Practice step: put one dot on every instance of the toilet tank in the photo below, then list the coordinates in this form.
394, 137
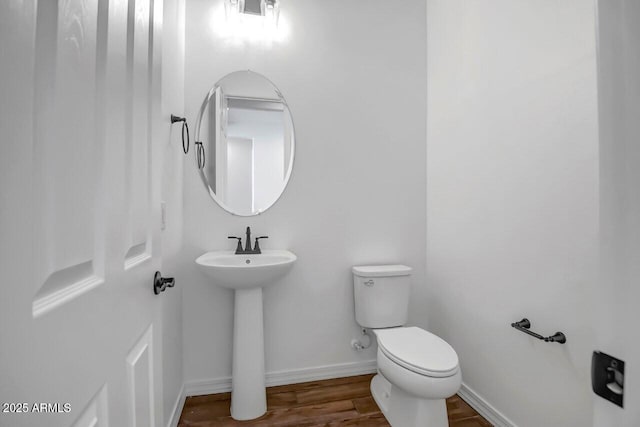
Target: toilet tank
381, 294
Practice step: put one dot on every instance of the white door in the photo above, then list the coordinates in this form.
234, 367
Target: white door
79, 220
616, 308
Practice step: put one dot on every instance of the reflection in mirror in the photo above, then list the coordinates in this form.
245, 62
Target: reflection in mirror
247, 134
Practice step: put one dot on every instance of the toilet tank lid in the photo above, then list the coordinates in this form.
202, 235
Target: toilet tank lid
381, 270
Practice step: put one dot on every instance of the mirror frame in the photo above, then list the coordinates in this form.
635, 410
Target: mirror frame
203, 176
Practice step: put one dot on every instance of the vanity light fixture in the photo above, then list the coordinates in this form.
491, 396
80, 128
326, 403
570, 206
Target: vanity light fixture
270, 9
231, 8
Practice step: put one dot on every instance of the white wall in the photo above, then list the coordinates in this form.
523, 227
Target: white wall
617, 315
512, 199
353, 75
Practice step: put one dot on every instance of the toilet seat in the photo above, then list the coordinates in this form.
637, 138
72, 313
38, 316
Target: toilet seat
419, 351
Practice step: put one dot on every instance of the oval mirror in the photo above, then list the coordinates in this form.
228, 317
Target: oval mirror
245, 143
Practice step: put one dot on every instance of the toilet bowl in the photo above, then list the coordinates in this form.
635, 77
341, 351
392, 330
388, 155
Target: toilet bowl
419, 362
417, 370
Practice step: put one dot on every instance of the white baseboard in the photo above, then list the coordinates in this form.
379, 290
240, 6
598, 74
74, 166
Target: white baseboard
177, 408
208, 386
321, 373
222, 385
483, 407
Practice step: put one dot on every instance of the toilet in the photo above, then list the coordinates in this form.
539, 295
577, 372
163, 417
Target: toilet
417, 370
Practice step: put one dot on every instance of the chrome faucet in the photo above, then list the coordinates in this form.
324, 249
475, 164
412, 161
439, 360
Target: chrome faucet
247, 247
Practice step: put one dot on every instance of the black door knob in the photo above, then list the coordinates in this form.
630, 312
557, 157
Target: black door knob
161, 283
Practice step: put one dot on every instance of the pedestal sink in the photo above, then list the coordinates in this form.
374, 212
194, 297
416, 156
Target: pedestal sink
247, 275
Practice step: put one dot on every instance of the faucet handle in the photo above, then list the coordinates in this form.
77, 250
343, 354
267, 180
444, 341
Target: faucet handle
256, 247
239, 247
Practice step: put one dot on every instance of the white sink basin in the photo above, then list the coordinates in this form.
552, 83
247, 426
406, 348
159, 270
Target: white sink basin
233, 271
247, 275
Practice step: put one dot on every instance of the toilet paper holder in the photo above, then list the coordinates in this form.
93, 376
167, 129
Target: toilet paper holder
525, 324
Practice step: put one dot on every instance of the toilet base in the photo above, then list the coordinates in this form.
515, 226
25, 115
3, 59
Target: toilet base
402, 409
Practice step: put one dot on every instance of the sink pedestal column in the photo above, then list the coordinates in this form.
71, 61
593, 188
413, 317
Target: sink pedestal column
248, 390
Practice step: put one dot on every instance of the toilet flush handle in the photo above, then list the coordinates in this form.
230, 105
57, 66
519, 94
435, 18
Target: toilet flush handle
369, 282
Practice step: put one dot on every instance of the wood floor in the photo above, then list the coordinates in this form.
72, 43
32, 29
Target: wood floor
330, 403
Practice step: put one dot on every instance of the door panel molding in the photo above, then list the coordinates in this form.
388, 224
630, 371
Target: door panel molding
140, 376
65, 285
140, 26
69, 233
96, 412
